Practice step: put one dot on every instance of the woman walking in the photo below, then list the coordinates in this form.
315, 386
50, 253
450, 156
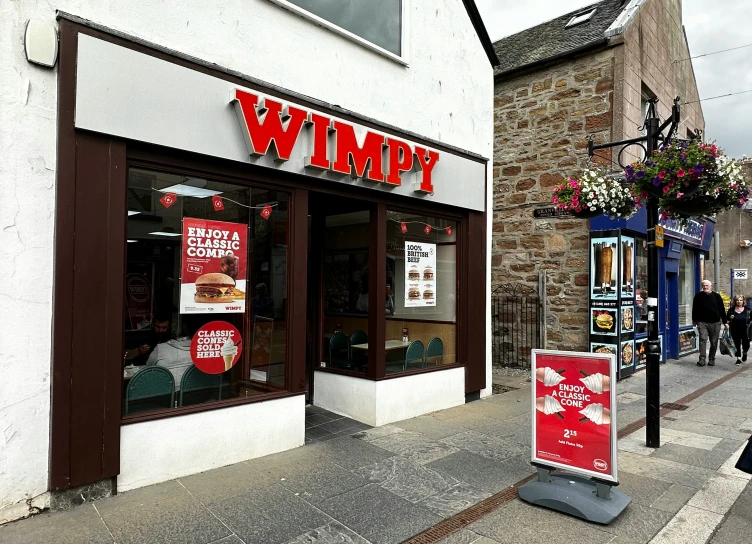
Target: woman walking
738, 318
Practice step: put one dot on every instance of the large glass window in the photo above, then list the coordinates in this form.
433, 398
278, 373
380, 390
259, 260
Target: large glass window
421, 292
641, 285
687, 287
376, 21
345, 287
206, 281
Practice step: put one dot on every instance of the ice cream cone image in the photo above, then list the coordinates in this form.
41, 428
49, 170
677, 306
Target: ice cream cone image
228, 361
549, 405
597, 383
228, 352
597, 414
548, 376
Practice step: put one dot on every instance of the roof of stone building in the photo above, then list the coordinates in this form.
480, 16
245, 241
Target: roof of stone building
553, 39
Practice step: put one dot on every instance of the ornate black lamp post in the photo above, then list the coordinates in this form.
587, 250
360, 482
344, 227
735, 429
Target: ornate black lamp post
649, 143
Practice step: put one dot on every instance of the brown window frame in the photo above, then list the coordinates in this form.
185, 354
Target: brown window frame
377, 306
249, 181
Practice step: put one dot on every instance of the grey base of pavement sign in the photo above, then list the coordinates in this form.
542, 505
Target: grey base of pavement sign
575, 495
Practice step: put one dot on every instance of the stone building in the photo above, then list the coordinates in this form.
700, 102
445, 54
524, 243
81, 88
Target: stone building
734, 227
589, 73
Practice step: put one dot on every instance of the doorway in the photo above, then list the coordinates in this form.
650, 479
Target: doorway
671, 334
338, 284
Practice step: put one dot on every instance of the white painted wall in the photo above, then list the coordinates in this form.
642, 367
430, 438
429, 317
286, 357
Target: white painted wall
446, 93
156, 451
386, 401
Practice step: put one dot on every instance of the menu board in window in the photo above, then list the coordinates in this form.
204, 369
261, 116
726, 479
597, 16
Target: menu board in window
420, 274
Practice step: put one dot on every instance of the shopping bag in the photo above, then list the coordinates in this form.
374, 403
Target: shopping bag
727, 345
745, 459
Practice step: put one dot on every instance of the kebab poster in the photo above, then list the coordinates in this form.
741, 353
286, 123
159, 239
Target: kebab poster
214, 271
572, 422
603, 269
420, 276
627, 267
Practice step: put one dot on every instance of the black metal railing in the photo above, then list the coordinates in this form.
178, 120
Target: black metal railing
516, 324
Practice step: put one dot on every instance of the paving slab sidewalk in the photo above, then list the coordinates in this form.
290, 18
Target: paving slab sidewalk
350, 483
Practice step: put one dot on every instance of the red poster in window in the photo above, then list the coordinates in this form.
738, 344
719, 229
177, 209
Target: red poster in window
214, 271
215, 347
574, 427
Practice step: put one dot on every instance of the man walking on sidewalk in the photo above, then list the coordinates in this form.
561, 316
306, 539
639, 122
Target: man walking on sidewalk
707, 313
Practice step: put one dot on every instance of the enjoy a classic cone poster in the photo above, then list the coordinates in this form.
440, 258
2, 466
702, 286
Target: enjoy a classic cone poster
574, 411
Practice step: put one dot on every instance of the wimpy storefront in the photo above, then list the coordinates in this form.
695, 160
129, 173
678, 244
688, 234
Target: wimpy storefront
227, 251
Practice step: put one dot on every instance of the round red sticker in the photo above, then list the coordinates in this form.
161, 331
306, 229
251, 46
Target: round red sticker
215, 347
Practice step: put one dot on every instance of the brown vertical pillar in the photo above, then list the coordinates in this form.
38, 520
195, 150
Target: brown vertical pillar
87, 351
474, 305
377, 292
296, 292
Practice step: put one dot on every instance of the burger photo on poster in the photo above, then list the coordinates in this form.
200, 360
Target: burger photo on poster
413, 273
413, 293
214, 288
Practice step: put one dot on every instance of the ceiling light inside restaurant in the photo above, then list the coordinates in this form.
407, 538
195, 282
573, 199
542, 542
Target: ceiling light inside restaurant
131, 212
132, 241
164, 233
191, 187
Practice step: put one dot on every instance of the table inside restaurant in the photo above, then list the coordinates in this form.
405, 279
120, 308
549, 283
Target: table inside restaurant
388, 345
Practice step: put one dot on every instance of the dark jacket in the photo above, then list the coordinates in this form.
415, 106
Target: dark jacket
743, 319
708, 308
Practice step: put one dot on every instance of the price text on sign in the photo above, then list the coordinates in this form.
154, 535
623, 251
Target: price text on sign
573, 421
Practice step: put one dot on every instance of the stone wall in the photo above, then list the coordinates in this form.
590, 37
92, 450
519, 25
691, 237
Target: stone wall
542, 121
645, 65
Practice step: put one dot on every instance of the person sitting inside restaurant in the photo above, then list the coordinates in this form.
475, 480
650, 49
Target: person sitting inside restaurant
174, 355
161, 330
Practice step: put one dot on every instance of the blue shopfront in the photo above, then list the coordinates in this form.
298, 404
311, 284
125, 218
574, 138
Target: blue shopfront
618, 287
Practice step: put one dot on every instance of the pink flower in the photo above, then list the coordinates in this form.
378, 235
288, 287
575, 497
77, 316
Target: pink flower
679, 195
662, 174
555, 200
666, 190
572, 183
680, 173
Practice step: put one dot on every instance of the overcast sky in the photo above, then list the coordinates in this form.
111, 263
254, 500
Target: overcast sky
711, 26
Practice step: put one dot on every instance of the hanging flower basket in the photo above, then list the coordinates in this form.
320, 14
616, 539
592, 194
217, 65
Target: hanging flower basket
587, 213
677, 169
692, 207
724, 188
593, 194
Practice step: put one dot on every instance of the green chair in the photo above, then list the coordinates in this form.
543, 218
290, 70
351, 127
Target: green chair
435, 350
339, 351
415, 354
359, 357
149, 388
196, 383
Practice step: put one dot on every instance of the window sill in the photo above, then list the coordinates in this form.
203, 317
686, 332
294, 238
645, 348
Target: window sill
392, 375
205, 407
292, 8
